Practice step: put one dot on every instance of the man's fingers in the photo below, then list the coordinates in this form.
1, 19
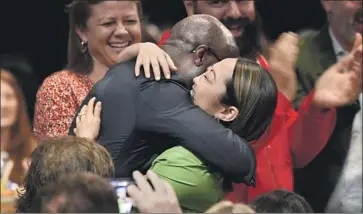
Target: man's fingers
169, 190
156, 182
134, 193
357, 41
288, 37
142, 183
358, 53
343, 64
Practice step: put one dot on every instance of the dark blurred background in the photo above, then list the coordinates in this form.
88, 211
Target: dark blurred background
38, 29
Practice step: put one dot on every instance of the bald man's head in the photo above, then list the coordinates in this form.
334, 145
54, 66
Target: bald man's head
197, 42
206, 30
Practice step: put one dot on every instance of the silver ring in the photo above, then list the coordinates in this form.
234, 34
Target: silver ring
80, 115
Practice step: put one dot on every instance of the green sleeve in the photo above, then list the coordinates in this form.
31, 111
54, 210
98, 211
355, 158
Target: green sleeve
197, 189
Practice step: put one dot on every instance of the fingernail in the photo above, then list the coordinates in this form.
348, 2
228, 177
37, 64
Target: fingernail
99, 103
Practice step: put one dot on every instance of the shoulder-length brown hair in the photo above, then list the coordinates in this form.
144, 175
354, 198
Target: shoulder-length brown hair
21, 142
253, 92
79, 59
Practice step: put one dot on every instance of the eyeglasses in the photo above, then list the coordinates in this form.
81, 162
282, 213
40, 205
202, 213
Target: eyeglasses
209, 50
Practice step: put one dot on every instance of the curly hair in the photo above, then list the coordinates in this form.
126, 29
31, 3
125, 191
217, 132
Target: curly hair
58, 156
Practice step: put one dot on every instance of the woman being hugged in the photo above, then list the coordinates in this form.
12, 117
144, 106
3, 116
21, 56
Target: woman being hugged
98, 32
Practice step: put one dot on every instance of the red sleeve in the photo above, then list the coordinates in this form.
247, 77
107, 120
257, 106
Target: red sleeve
263, 62
309, 130
165, 36
55, 107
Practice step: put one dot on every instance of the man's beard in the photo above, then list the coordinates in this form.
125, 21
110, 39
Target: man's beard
240, 22
249, 27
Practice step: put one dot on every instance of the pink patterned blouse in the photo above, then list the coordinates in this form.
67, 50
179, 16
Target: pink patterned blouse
57, 101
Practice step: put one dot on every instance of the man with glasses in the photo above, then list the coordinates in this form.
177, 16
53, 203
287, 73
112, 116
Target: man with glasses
318, 51
142, 118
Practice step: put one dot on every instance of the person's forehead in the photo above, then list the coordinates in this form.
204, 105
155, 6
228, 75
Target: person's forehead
225, 66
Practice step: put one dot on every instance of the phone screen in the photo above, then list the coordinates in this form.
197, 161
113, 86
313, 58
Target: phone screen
124, 202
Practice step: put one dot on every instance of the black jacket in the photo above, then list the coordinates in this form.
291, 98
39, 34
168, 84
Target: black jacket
141, 118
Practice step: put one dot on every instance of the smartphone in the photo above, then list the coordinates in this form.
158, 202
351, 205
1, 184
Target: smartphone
124, 203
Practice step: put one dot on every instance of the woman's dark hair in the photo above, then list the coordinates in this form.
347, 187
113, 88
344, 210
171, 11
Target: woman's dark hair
79, 59
281, 201
254, 93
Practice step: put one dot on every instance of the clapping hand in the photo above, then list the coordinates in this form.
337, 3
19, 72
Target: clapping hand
341, 84
282, 59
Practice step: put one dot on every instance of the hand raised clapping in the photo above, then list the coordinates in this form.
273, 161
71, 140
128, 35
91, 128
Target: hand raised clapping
341, 83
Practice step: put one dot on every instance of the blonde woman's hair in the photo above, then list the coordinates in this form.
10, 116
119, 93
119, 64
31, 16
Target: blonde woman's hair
229, 207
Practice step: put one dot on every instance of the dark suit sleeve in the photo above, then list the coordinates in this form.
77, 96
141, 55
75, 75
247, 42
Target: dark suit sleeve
173, 113
117, 94
118, 115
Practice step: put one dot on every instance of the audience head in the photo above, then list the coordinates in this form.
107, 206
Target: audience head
239, 16
240, 94
229, 207
345, 20
16, 135
197, 42
76, 193
99, 30
59, 156
281, 201
21, 68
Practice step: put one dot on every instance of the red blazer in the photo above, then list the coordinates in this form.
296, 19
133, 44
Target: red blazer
292, 141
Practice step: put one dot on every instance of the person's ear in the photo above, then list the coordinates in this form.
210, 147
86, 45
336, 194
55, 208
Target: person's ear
81, 34
228, 114
189, 7
200, 55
